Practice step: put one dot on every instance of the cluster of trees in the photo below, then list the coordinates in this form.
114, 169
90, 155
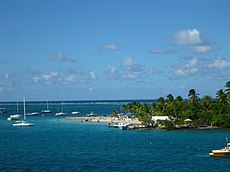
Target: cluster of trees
196, 111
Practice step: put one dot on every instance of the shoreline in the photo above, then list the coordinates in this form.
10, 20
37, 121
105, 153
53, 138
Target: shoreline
106, 120
135, 123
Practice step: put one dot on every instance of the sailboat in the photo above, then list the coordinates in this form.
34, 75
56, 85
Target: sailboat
62, 113
15, 116
47, 109
23, 123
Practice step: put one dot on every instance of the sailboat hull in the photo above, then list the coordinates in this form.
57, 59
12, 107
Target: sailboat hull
22, 124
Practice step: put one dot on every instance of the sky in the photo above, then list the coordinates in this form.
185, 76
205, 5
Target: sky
113, 49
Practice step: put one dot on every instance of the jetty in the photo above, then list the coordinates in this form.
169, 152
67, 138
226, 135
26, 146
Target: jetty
111, 121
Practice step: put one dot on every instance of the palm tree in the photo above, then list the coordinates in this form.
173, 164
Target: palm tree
161, 104
170, 99
206, 102
171, 103
221, 97
227, 90
179, 99
193, 96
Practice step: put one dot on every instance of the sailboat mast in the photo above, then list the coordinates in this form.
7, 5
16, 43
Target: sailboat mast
47, 105
17, 106
24, 107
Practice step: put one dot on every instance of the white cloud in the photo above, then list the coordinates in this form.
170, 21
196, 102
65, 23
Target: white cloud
188, 69
199, 49
71, 78
61, 76
128, 62
219, 63
111, 72
111, 47
129, 70
93, 75
189, 37
59, 56
36, 79
160, 51
48, 75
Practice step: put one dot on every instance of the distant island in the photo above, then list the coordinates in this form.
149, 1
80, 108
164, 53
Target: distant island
172, 113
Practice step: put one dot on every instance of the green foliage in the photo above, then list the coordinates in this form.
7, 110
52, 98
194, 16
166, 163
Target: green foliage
222, 120
202, 112
168, 124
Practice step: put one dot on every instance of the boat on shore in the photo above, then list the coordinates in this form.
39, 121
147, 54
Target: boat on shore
222, 152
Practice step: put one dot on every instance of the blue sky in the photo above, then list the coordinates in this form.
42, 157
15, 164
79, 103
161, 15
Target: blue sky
113, 49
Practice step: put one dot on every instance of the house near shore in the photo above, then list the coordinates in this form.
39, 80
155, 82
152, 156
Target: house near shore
160, 118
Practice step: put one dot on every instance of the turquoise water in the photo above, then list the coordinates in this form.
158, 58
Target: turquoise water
55, 144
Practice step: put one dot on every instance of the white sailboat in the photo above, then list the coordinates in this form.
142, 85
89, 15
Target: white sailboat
62, 113
15, 116
23, 123
47, 109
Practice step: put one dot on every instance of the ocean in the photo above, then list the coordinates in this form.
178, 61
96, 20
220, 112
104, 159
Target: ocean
56, 144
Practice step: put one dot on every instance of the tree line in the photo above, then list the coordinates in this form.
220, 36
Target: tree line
194, 111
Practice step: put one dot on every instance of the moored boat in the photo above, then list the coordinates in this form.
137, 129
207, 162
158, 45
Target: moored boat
91, 114
123, 125
222, 152
75, 112
62, 113
14, 117
47, 110
23, 123
112, 125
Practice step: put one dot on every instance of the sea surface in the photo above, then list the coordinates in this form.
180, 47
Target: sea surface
56, 144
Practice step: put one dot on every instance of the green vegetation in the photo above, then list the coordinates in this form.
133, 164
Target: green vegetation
193, 112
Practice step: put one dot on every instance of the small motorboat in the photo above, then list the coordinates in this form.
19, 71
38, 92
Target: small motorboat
14, 117
75, 113
123, 125
222, 152
22, 124
91, 114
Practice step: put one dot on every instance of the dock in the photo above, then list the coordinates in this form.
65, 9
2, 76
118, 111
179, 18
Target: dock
135, 123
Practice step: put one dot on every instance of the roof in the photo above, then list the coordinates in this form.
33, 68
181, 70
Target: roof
156, 118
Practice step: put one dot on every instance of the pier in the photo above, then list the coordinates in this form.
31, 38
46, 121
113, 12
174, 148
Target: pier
134, 123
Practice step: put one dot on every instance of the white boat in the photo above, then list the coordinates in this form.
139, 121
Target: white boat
91, 114
123, 125
15, 116
33, 114
62, 113
47, 110
23, 123
75, 113
222, 152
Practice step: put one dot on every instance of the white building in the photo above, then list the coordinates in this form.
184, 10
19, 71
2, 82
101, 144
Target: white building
160, 118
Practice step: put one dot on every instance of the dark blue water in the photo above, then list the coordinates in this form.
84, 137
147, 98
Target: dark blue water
56, 144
